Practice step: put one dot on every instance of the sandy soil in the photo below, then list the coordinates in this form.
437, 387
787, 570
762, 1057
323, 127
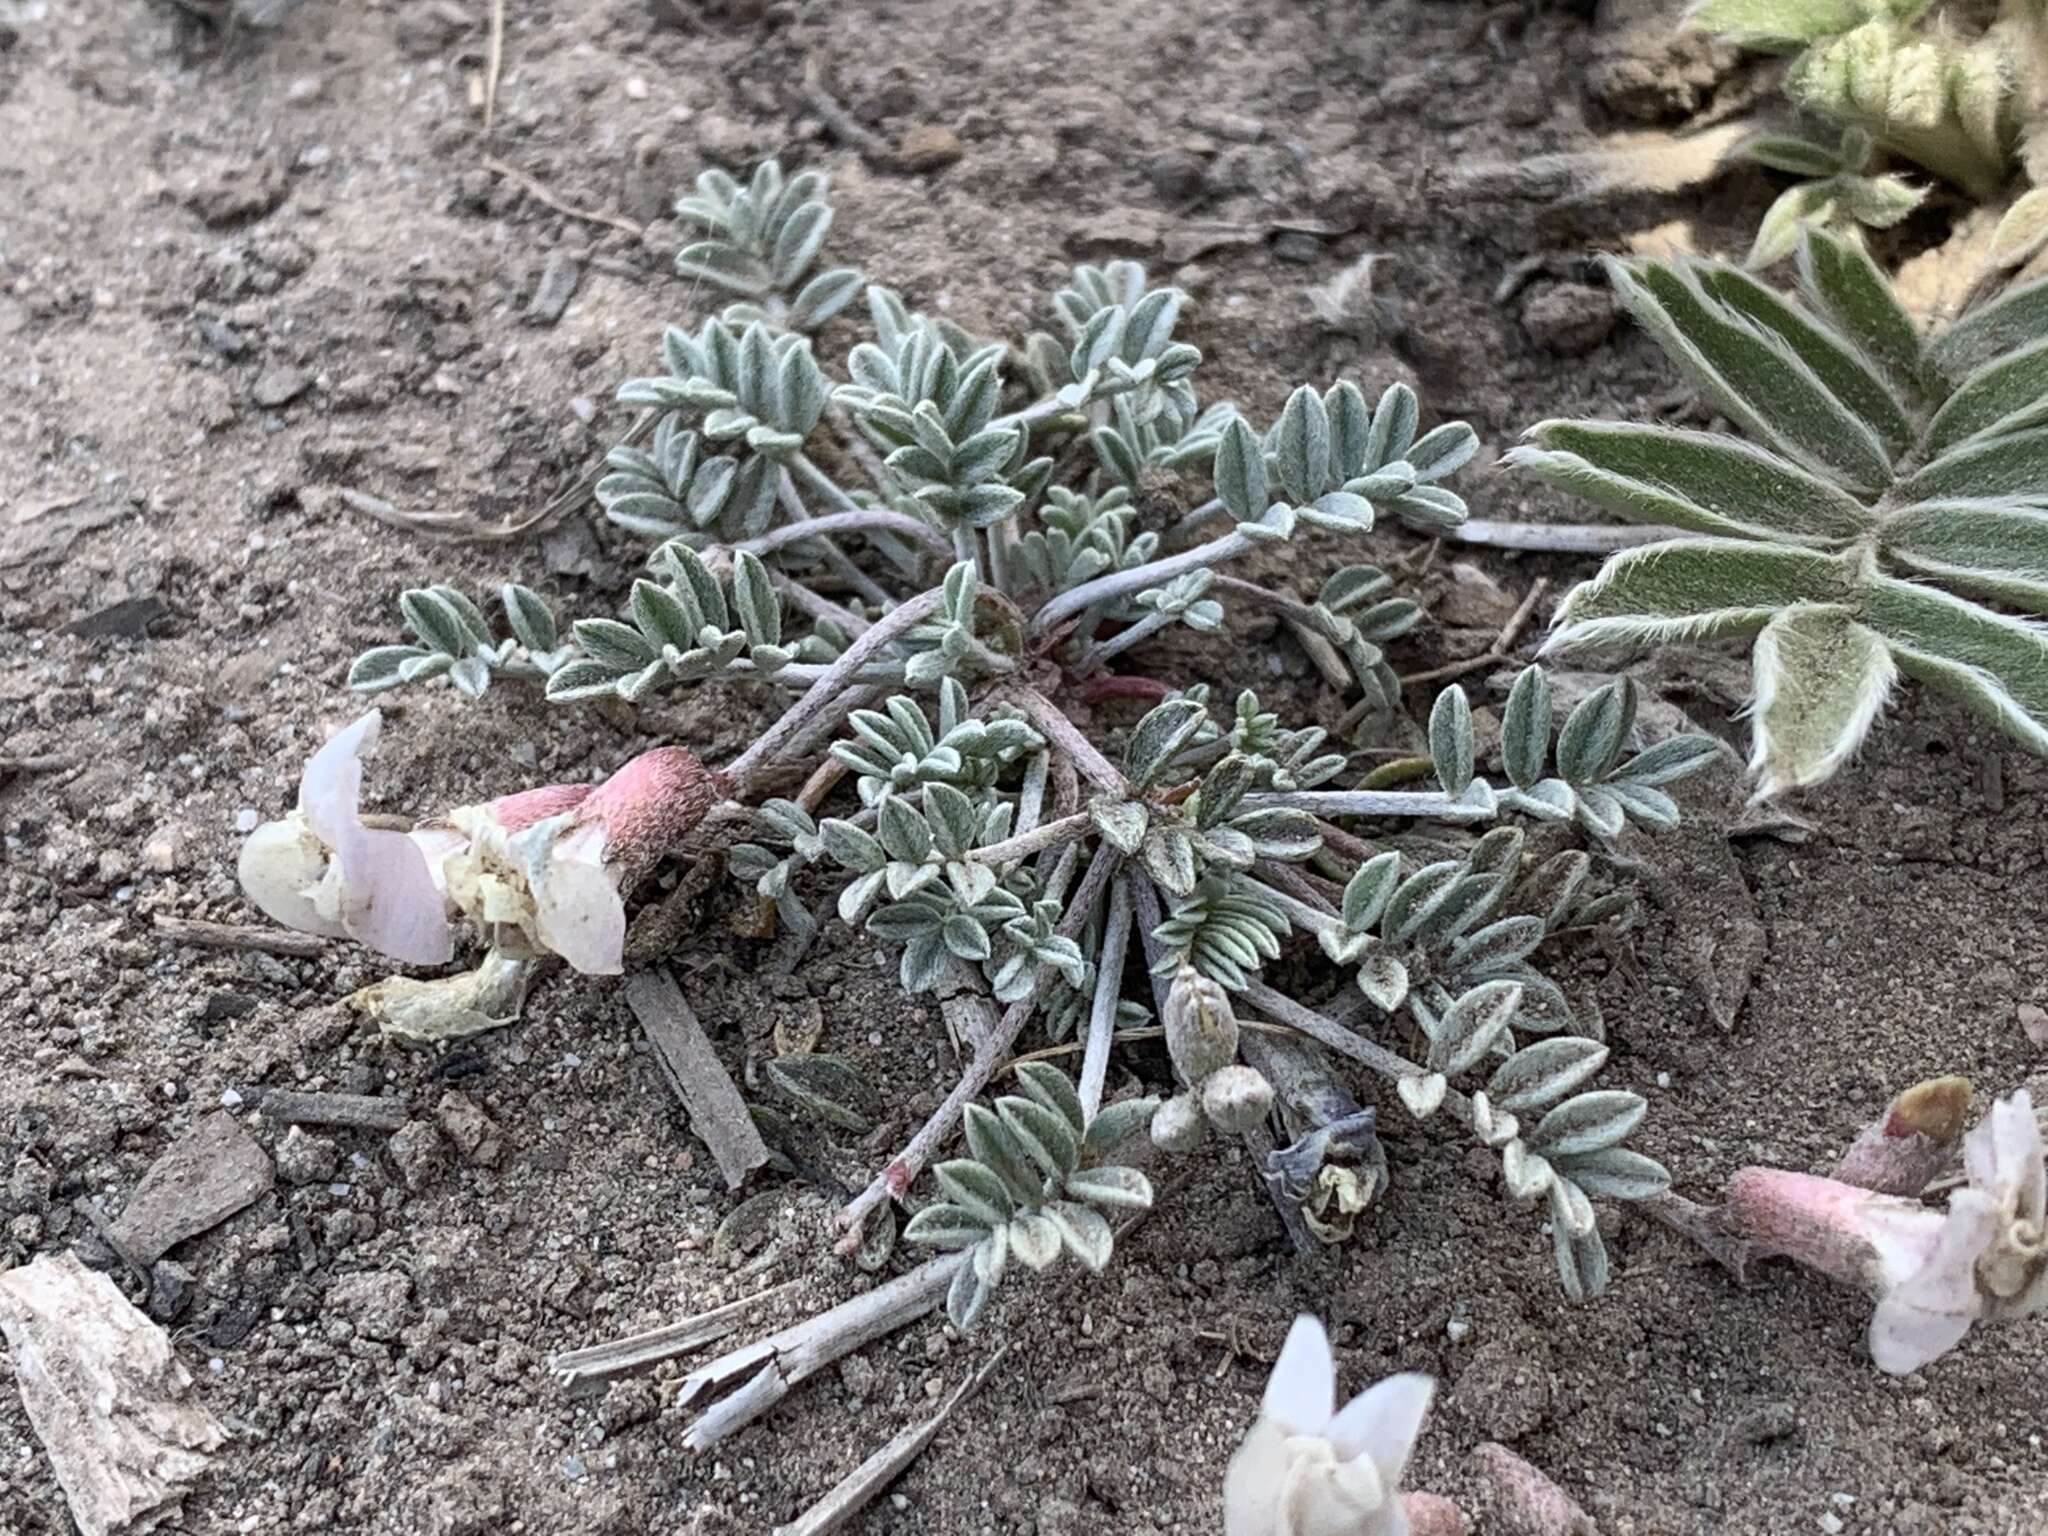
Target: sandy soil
240, 278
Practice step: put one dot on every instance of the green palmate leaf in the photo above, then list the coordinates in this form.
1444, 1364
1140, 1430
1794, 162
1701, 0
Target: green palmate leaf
1840, 280
1997, 549
1752, 375
2011, 389
1693, 589
1997, 666
1821, 681
1848, 376
2016, 319
1700, 481
2013, 465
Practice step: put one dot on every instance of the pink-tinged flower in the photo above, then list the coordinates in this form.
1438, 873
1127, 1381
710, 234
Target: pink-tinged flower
320, 870
1906, 1146
1306, 1469
553, 866
1523, 1501
1934, 1273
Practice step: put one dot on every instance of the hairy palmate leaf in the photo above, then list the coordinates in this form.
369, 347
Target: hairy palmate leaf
1889, 513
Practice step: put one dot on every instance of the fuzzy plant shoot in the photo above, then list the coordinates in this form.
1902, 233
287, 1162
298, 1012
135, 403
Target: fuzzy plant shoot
942, 571
1931, 83
1884, 513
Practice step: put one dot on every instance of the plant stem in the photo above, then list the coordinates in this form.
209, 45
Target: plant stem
1300, 618
1356, 802
839, 675
899, 555
1051, 834
1109, 983
1201, 514
1052, 721
1115, 584
858, 520
1031, 798
1556, 538
989, 1053
817, 606
835, 557
1137, 634
966, 547
999, 554
1343, 1041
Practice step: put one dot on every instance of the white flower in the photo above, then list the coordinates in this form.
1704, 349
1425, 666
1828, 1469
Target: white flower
320, 870
553, 866
1989, 1260
1308, 1470
1935, 1273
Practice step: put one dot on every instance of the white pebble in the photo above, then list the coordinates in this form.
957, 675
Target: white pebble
246, 819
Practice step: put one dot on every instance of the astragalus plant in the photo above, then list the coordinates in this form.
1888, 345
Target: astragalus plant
1885, 510
943, 574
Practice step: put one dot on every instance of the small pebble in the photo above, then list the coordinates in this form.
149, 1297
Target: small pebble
245, 820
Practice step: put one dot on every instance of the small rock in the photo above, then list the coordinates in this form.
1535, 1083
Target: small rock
279, 386
1505, 1389
304, 90
375, 1303
1474, 600
208, 1174
223, 338
474, 1133
164, 852
1767, 1422
1124, 232
238, 193
2034, 1021
558, 280
420, 1153
227, 1004
928, 147
1295, 245
171, 1289
128, 619
424, 30
727, 143
304, 1159
1569, 318
1176, 175
1234, 126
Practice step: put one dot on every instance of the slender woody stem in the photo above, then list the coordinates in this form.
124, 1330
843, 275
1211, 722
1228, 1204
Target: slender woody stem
1065, 735
900, 555
1050, 834
895, 1180
1286, 1010
1116, 583
1357, 802
835, 557
1137, 634
836, 677
858, 520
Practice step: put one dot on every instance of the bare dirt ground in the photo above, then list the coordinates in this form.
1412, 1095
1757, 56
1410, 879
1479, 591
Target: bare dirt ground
240, 277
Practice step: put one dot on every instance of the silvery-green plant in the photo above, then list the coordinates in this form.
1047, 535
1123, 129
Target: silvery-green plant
1843, 192
1885, 511
1034, 1186
995, 837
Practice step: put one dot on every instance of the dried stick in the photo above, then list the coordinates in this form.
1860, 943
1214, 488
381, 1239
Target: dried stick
538, 191
861, 520
1496, 652
1066, 736
494, 63
853, 1492
902, 1171
718, 1115
358, 1111
1048, 834
789, 1356
1359, 802
1109, 983
639, 1352
864, 141
835, 679
1556, 538
267, 941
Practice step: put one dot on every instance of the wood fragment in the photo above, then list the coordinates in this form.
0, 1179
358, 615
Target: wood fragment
793, 1354
105, 1395
1498, 651
718, 1115
639, 1352
357, 1111
267, 941
40, 762
494, 64
538, 190
858, 1488
204, 1177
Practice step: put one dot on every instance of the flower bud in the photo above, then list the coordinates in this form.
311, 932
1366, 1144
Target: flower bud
1177, 1125
1236, 1098
1201, 1028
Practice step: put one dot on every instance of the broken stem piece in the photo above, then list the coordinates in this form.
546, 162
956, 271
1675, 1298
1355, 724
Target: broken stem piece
639, 1352
1109, 986
718, 1115
1556, 538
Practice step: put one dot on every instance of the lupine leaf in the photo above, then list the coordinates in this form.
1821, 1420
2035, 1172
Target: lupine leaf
2007, 389
2014, 320
1539, 1075
1998, 550
2012, 465
1588, 1123
1841, 281
1997, 666
1702, 481
1693, 589
1777, 25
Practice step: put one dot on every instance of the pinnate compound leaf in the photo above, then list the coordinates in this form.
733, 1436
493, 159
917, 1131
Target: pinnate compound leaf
1588, 1123
1839, 279
1538, 1075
